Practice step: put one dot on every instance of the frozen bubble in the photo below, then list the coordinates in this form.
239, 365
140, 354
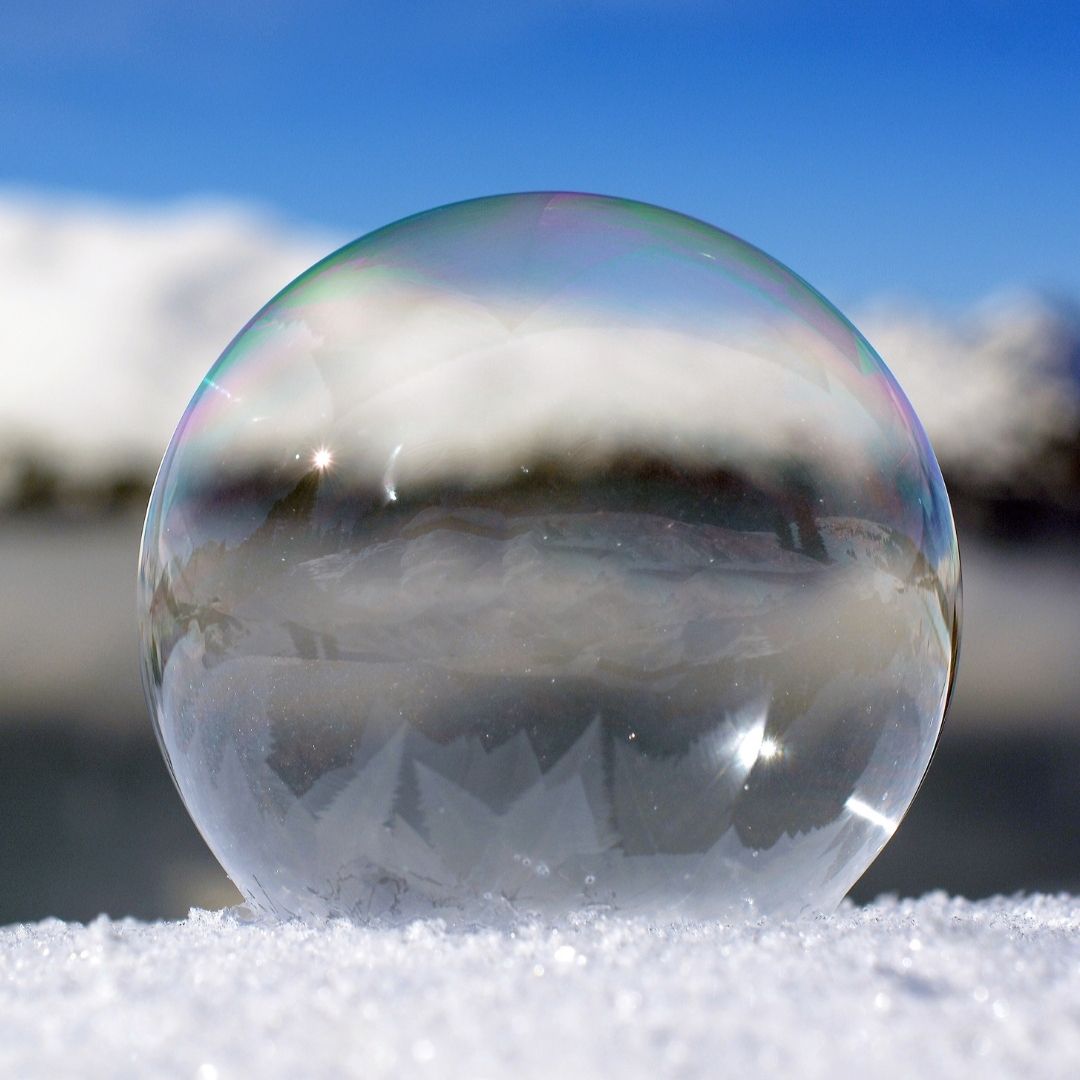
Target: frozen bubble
548, 531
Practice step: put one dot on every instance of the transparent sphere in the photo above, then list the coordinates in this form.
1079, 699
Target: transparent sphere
544, 552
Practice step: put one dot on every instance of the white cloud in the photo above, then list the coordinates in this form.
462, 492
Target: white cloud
993, 388
110, 316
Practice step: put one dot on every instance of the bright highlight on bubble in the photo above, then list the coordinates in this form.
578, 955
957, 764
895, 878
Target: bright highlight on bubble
581, 555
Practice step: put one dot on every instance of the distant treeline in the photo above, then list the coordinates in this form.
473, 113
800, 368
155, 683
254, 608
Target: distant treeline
1044, 503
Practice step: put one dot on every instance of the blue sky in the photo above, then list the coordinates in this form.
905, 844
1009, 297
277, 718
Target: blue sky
929, 150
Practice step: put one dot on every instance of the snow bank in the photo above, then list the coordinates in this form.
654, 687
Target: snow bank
935, 987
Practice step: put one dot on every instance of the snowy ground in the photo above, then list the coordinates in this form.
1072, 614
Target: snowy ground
928, 988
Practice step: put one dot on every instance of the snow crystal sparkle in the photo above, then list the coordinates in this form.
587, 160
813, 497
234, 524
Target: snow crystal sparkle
548, 551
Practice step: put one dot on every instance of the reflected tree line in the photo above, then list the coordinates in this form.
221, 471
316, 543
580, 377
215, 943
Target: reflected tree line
829, 698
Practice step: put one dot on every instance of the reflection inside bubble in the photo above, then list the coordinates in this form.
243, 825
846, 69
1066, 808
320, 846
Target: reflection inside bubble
620, 574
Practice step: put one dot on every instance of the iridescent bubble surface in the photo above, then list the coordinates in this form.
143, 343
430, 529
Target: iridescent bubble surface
541, 552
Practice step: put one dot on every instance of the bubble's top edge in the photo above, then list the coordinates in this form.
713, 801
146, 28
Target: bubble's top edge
813, 307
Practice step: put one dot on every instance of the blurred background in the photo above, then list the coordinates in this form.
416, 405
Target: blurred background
166, 167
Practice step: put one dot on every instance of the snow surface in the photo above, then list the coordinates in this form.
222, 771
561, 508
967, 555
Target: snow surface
928, 988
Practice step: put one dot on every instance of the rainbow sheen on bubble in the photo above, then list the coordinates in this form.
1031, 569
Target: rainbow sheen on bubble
544, 552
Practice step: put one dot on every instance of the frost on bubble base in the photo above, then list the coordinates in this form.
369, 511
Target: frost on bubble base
602, 774
547, 552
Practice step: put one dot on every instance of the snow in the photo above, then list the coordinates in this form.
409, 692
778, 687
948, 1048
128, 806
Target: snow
927, 988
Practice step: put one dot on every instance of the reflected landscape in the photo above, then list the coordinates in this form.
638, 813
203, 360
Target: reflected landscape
546, 552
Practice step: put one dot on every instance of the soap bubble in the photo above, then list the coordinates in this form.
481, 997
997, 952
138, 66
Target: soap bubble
544, 552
